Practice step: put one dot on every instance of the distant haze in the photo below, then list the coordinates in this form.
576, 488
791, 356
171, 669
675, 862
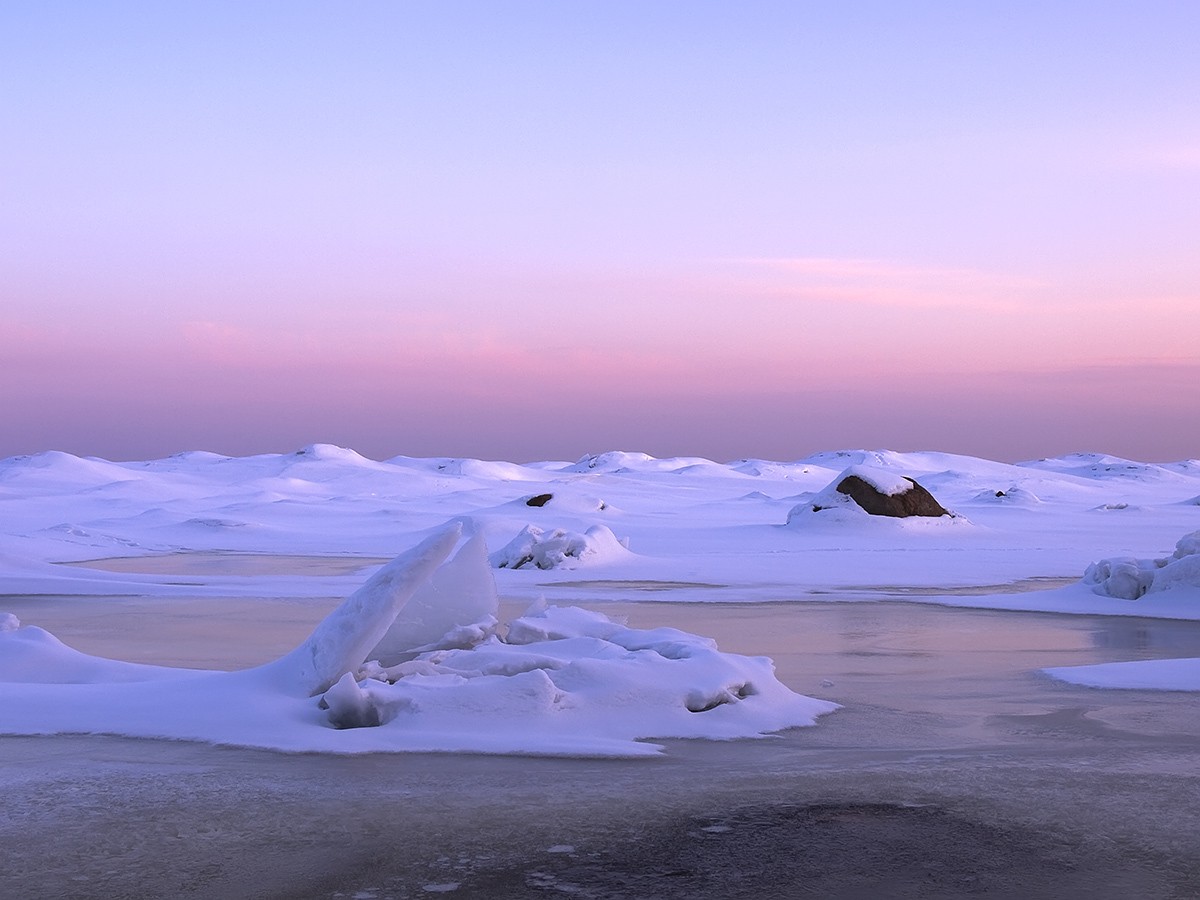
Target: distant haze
535, 230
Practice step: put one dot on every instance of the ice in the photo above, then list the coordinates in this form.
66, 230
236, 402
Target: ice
1128, 578
555, 681
422, 645
343, 641
1148, 675
456, 607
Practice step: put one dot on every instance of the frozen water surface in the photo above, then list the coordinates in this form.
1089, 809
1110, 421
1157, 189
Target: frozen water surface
950, 744
956, 766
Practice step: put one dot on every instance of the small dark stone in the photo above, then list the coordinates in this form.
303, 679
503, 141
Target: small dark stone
1001, 494
539, 500
916, 501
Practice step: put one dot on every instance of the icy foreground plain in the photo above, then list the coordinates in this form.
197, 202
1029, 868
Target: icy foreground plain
609, 527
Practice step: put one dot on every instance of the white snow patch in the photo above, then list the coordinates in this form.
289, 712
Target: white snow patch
1147, 674
559, 548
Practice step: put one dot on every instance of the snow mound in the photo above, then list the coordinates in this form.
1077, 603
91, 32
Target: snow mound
1011, 496
1128, 578
840, 459
476, 468
1100, 466
332, 453
572, 672
62, 470
561, 682
623, 462
559, 548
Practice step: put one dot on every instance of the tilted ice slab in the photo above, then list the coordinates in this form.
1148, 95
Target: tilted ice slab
562, 681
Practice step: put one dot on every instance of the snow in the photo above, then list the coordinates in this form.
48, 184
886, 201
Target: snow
883, 480
1118, 536
561, 681
686, 520
558, 548
1146, 674
1129, 578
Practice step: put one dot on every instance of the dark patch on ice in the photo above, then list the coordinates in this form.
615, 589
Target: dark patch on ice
539, 500
834, 851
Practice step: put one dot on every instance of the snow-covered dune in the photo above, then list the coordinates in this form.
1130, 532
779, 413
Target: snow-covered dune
684, 520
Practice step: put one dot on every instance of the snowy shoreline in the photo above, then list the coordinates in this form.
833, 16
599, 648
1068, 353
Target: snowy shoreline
612, 527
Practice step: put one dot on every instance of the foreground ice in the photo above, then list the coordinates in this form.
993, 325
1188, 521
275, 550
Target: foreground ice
561, 680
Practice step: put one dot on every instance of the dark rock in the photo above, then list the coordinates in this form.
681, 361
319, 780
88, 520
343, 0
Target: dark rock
916, 501
539, 500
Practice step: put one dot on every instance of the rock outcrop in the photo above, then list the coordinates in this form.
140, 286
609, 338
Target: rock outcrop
915, 501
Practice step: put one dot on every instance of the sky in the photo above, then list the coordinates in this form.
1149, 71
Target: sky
535, 230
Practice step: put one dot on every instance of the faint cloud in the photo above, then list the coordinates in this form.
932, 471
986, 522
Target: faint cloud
1181, 155
886, 283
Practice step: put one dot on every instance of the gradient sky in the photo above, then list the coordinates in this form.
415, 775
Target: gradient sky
531, 230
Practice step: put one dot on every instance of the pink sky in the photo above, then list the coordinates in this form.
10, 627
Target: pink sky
689, 229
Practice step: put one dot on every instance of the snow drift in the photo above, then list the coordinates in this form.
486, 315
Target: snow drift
559, 548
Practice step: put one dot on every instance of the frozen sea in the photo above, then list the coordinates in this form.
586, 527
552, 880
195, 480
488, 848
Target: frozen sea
955, 765
953, 769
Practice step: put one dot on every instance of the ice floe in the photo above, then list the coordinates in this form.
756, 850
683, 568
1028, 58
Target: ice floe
445, 677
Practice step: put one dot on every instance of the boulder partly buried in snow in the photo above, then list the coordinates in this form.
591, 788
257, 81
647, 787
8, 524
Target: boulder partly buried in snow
558, 548
877, 492
1128, 578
